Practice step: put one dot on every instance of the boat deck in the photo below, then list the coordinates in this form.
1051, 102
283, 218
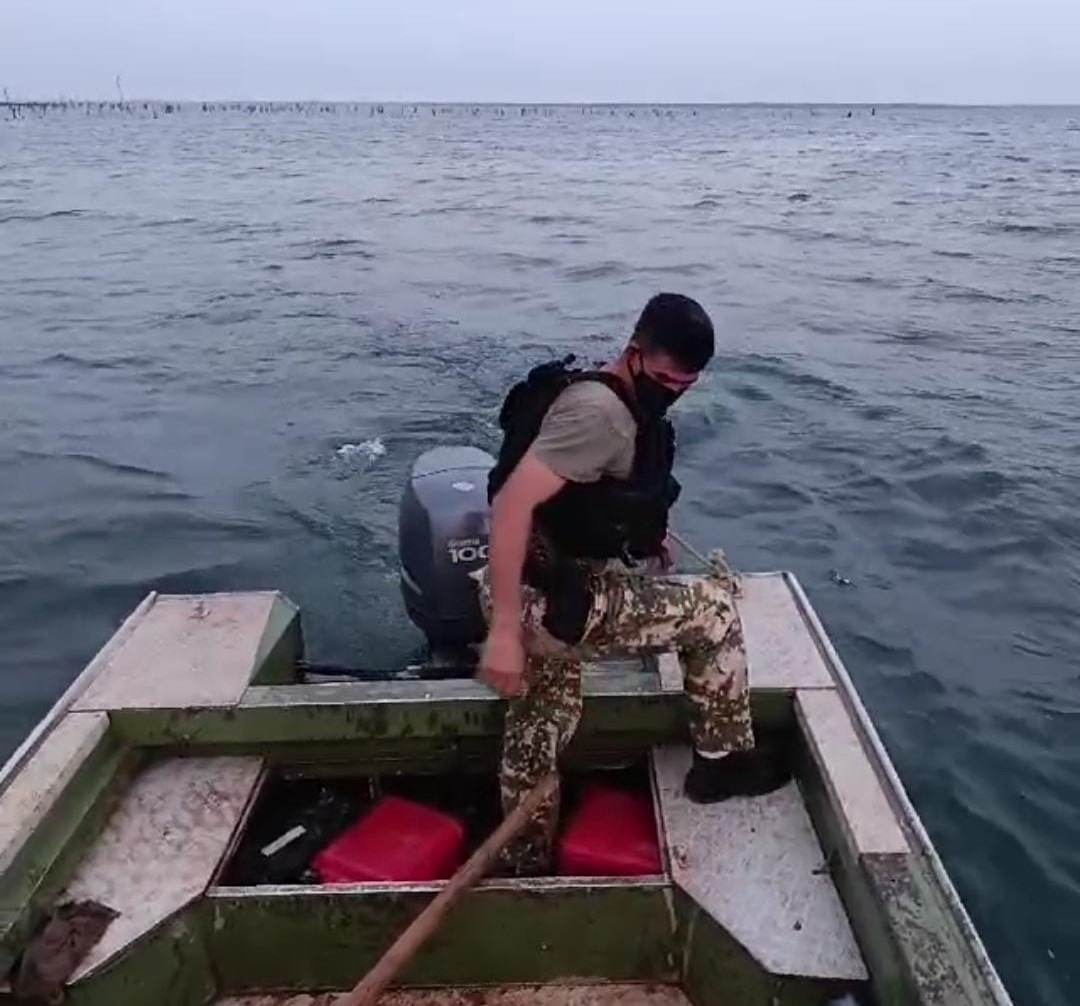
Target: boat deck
179, 811
139, 786
525, 995
756, 867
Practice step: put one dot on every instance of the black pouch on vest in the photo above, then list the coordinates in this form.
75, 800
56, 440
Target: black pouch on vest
568, 591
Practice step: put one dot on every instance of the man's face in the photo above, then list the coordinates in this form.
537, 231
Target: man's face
662, 368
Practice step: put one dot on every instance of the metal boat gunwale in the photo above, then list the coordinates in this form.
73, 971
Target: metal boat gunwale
883, 764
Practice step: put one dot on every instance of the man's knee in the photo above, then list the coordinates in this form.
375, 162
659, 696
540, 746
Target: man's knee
526, 759
541, 724
713, 605
709, 591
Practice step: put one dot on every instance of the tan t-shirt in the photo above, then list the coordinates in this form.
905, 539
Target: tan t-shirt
587, 433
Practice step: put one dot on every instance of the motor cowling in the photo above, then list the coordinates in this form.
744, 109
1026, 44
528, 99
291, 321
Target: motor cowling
443, 529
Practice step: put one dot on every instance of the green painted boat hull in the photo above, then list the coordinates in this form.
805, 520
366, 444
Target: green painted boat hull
202, 695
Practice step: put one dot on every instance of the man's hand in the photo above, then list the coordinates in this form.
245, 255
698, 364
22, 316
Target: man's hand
667, 554
502, 661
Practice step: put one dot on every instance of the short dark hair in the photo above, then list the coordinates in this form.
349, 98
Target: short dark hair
678, 326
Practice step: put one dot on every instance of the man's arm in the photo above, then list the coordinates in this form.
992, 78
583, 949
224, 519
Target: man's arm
577, 442
530, 484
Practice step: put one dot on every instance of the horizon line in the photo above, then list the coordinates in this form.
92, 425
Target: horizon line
495, 103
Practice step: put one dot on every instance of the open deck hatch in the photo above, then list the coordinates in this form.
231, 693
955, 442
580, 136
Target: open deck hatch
296, 813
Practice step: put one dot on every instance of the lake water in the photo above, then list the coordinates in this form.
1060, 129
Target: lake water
225, 335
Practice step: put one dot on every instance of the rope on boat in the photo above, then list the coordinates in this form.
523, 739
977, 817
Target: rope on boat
715, 563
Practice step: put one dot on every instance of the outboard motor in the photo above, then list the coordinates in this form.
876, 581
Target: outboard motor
443, 537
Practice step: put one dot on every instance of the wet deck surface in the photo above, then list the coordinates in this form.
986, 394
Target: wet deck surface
161, 845
780, 650
184, 652
868, 817
756, 867
524, 995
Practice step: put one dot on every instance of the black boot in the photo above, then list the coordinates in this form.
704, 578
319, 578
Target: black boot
741, 773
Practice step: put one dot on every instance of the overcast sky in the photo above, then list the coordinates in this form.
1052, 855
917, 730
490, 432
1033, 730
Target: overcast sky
547, 50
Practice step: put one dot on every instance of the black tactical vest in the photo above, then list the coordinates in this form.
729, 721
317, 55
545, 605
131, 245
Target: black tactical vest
609, 518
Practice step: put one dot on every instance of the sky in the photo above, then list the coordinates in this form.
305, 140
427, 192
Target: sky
964, 51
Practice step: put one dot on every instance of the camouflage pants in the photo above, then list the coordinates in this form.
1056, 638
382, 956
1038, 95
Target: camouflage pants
694, 615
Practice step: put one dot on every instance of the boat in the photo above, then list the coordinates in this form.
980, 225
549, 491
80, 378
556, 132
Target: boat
164, 772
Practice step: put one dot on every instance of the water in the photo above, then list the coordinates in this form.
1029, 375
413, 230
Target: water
224, 336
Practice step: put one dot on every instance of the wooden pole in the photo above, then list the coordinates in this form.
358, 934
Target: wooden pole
367, 992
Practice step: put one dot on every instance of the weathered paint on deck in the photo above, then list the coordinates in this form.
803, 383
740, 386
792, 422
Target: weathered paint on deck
168, 967
869, 817
781, 653
63, 784
161, 845
912, 930
501, 932
756, 867
527, 995
187, 651
51, 768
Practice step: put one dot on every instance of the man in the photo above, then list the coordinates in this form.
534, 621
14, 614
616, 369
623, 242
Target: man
580, 498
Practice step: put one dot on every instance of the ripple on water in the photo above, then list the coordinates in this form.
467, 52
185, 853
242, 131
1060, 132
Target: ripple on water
593, 271
1059, 228
127, 361
163, 223
522, 260
333, 248
101, 464
957, 489
68, 214
547, 219
788, 373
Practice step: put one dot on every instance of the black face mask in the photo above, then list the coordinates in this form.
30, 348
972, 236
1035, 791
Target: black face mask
653, 398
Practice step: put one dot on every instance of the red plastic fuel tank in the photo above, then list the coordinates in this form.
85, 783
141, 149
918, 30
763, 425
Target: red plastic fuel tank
612, 834
397, 840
